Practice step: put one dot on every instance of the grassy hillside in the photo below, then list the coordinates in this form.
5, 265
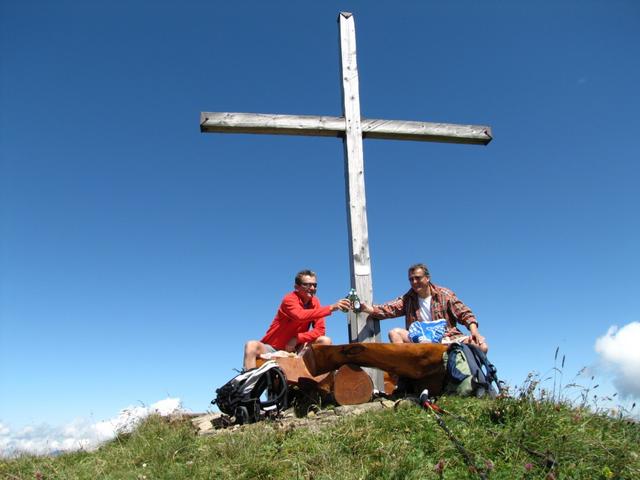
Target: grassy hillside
503, 439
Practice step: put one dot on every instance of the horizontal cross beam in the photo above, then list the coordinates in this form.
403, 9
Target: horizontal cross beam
323, 126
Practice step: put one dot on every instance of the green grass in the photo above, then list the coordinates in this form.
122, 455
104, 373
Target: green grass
508, 438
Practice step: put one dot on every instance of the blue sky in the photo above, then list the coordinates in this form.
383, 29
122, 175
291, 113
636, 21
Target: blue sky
137, 254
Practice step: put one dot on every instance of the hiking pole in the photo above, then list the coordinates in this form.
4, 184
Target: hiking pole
437, 412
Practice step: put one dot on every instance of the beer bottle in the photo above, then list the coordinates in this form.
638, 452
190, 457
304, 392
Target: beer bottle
355, 300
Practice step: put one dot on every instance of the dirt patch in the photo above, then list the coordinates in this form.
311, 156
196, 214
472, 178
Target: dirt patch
215, 423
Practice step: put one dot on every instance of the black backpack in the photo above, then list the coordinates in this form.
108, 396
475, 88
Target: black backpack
469, 372
253, 395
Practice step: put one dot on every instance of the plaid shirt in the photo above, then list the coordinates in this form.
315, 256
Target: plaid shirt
444, 304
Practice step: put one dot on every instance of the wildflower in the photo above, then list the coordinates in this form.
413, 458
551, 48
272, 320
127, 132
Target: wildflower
39, 475
488, 465
607, 473
439, 468
528, 467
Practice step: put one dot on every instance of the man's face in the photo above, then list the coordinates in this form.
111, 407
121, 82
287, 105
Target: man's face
307, 287
419, 282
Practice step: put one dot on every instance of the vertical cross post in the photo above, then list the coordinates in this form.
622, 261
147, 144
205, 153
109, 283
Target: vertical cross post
360, 261
361, 329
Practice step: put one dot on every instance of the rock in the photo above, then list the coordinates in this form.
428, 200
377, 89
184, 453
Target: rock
214, 423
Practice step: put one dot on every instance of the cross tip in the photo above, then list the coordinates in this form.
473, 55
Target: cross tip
487, 132
203, 120
346, 14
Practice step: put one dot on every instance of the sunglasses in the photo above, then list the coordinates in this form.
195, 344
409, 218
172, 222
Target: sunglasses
416, 278
309, 285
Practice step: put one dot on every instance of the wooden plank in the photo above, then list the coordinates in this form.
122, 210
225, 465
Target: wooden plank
361, 328
327, 126
409, 360
307, 125
295, 370
426, 131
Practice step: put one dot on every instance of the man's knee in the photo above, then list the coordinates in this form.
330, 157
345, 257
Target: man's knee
323, 340
252, 350
253, 347
398, 335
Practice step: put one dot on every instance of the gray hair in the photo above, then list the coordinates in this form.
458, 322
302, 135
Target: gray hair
422, 266
303, 273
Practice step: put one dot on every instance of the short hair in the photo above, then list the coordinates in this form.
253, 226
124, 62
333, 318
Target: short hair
302, 273
424, 268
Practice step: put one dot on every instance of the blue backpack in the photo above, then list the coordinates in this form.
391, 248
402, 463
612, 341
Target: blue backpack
469, 372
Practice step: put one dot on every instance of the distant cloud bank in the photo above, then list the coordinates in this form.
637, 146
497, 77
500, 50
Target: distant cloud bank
619, 350
79, 434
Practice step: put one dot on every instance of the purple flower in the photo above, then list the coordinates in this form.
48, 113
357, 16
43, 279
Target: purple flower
439, 468
528, 467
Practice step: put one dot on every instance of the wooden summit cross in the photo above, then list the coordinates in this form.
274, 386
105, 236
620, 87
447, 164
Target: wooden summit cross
352, 129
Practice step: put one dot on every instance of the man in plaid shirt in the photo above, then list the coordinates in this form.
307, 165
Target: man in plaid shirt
427, 306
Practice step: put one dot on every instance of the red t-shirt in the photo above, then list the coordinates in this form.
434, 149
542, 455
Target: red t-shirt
294, 320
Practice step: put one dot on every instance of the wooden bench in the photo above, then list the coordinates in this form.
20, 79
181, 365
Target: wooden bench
337, 369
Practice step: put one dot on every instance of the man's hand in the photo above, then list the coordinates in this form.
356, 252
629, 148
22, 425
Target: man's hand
365, 308
479, 341
342, 304
477, 338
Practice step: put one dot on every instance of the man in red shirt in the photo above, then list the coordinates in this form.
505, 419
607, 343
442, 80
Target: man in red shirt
299, 320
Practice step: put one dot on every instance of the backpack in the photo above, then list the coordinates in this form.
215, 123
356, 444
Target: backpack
469, 372
253, 395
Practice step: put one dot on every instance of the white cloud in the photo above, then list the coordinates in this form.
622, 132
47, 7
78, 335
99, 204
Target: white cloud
82, 434
619, 350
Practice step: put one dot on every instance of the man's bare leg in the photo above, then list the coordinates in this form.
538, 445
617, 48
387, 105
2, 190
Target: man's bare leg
399, 335
252, 350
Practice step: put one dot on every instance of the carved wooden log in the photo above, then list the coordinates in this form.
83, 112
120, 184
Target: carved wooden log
409, 360
352, 385
390, 382
297, 374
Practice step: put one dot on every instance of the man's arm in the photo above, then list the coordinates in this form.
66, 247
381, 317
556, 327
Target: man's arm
392, 309
292, 308
465, 316
460, 311
319, 329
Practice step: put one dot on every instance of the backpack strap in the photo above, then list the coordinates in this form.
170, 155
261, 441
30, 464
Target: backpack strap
280, 398
483, 371
452, 370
